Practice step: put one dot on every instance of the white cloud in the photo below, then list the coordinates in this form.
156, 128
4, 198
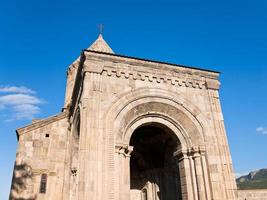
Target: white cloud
262, 130
17, 99
15, 89
25, 111
19, 103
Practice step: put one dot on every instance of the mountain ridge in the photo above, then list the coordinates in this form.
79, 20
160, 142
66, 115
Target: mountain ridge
254, 180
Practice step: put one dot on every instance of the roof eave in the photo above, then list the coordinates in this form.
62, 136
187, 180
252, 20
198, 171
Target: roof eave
153, 61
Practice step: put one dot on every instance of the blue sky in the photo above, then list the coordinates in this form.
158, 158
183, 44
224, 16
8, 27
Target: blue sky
39, 39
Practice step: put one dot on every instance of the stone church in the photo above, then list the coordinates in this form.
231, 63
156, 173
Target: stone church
130, 129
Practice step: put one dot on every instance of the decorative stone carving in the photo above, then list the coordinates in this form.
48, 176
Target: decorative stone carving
146, 129
154, 78
124, 150
213, 84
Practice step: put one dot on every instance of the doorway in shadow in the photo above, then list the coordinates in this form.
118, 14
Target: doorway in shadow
154, 171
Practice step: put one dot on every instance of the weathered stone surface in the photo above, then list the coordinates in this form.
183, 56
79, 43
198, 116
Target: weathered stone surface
90, 151
252, 194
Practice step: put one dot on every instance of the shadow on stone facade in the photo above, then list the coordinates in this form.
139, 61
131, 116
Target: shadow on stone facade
21, 186
154, 169
163, 183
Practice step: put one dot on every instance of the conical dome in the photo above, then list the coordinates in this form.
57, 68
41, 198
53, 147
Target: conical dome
101, 45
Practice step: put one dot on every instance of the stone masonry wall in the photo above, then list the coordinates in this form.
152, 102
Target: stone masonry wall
108, 79
41, 150
252, 194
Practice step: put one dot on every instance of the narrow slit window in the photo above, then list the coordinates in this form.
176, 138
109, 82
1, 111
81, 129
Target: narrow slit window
43, 183
144, 194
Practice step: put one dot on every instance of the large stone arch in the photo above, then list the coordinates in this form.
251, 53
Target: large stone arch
160, 120
173, 107
132, 109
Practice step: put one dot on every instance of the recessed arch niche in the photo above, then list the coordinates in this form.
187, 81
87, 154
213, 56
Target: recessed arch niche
168, 113
154, 170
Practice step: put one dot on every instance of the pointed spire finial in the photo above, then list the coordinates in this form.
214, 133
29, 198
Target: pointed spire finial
100, 44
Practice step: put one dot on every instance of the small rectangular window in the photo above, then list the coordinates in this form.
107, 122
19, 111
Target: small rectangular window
43, 183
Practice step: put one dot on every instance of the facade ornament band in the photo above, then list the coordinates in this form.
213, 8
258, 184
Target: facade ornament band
130, 128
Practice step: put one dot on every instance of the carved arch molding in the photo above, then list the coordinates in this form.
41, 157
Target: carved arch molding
183, 118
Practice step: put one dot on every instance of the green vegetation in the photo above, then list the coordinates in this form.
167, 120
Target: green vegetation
254, 180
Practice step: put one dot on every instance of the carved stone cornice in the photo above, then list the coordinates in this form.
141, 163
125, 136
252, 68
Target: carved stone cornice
213, 84
134, 61
154, 77
152, 72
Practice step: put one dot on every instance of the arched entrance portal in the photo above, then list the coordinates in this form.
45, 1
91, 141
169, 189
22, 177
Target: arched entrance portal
154, 170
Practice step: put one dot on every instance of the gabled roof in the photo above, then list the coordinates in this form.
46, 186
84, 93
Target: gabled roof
41, 122
100, 45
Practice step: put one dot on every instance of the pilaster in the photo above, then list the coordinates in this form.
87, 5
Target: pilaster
122, 180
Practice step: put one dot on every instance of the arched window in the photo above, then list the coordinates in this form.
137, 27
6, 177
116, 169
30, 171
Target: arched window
76, 124
43, 183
